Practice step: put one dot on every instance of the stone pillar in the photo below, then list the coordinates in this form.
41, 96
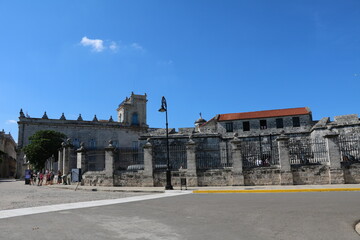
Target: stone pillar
191, 176
109, 160
334, 156
81, 158
66, 158
286, 177
237, 166
60, 160
148, 179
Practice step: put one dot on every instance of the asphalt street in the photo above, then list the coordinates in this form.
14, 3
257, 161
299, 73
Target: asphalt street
309, 215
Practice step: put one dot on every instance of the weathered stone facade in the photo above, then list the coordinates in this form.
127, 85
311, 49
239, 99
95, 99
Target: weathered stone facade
275, 147
93, 134
7, 155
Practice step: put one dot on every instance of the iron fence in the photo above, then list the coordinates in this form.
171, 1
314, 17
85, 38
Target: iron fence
177, 157
129, 159
304, 151
213, 156
349, 148
96, 160
225, 155
259, 151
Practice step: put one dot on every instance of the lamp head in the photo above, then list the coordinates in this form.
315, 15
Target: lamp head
163, 105
162, 109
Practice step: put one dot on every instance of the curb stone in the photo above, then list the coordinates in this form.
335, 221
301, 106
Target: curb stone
278, 190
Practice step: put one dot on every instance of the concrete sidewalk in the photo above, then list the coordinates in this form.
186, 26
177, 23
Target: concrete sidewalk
220, 189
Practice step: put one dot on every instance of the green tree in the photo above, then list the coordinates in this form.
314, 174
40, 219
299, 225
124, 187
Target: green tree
43, 144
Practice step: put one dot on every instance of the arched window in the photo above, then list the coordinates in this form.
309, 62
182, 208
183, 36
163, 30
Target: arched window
120, 117
135, 119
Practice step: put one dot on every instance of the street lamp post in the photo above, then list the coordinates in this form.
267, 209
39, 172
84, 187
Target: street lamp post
168, 173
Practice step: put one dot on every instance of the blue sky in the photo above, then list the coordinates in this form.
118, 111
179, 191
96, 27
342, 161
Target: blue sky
203, 56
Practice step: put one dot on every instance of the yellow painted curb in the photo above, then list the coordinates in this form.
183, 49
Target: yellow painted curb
278, 190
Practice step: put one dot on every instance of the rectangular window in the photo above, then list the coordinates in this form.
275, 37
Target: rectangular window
76, 143
279, 123
296, 121
229, 127
92, 144
246, 126
263, 124
135, 144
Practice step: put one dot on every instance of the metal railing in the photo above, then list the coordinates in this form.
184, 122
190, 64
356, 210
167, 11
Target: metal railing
177, 157
349, 148
213, 156
259, 151
95, 160
129, 159
306, 151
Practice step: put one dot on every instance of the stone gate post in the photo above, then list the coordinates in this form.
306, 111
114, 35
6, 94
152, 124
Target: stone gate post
191, 176
237, 166
148, 180
286, 177
81, 158
109, 160
60, 160
334, 156
66, 157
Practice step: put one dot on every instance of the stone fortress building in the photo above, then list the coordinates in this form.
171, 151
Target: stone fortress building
284, 146
7, 155
94, 134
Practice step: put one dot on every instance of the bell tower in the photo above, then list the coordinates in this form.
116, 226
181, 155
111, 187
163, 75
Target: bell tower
132, 111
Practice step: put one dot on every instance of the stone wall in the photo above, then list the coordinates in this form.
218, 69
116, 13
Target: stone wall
302, 175
315, 174
97, 178
262, 176
215, 177
129, 179
281, 172
352, 173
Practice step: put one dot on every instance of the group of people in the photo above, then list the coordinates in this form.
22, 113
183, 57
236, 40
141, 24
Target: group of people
47, 178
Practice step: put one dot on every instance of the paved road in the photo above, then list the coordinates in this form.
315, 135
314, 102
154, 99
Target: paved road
323, 215
15, 194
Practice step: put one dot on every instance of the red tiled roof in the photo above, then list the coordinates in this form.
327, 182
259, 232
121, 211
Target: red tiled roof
264, 114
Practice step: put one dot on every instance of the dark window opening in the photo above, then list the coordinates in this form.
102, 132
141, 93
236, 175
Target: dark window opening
76, 143
263, 124
92, 144
279, 123
229, 127
135, 119
246, 126
296, 121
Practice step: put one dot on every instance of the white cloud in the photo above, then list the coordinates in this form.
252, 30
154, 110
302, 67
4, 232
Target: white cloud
137, 46
97, 45
11, 121
113, 46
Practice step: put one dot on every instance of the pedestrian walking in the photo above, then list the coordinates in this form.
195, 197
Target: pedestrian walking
34, 176
51, 177
41, 177
47, 182
59, 177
